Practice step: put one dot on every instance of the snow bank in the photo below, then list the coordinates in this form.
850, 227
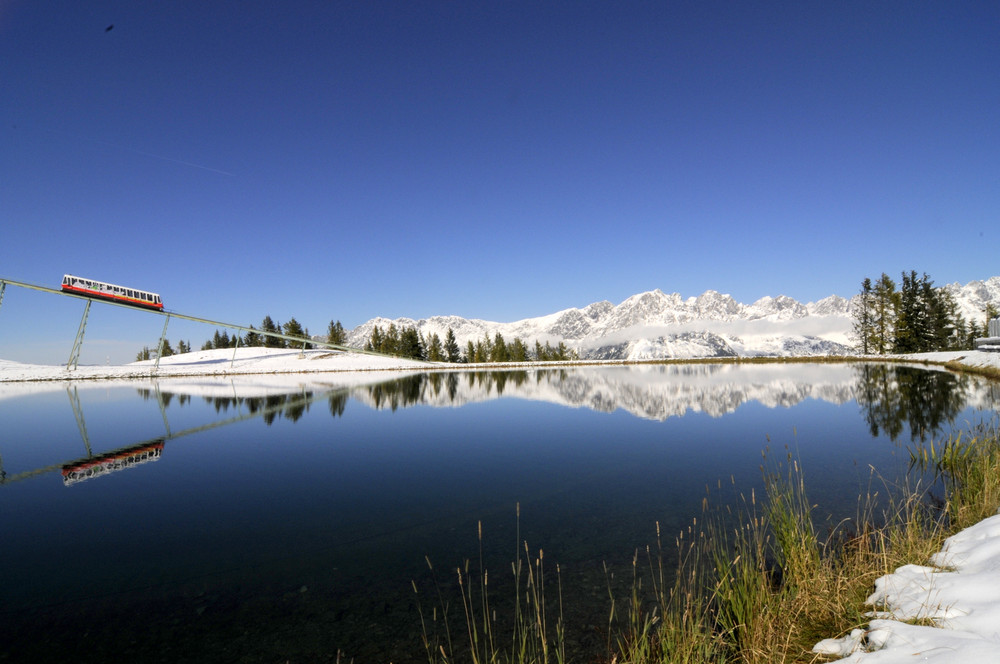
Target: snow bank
959, 593
224, 362
970, 358
220, 362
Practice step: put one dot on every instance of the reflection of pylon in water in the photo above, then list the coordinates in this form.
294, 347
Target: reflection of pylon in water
74, 401
151, 449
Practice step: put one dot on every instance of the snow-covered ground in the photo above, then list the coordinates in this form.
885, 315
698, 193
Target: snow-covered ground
224, 362
970, 358
221, 362
959, 591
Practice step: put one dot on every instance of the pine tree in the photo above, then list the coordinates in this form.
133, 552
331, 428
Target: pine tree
863, 329
435, 351
336, 334
498, 351
470, 352
925, 320
947, 322
884, 314
517, 351
251, 338
484, 349
451, 349
269, 326
410, 345
390, 342
375, 340
294, 329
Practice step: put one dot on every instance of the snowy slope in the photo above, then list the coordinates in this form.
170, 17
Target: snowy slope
973, 297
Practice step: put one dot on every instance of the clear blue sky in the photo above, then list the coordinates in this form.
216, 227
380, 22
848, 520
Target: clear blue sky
344, 160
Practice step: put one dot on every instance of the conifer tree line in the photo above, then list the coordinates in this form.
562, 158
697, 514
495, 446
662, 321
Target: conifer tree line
254, 338
168, 350
915, 318
410, 343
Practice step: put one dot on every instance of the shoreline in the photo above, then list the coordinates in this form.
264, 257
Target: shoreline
224, 363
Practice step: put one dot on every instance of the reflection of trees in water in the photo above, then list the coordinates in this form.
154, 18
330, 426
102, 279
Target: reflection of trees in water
165, 397
288, 406
398, 393
338, 402
891, 396
423, 388
419, 388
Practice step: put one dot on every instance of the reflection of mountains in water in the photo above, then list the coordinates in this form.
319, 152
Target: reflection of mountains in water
649, 391
655, 392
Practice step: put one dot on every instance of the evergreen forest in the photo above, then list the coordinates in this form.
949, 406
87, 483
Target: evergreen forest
410, 343
915, 317
255, 337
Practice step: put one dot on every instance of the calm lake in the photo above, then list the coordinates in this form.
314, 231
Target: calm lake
273, 519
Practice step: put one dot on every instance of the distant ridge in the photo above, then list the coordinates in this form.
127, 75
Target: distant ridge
657, 325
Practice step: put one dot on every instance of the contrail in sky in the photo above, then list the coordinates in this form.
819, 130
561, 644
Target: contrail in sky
164, 158
143, 153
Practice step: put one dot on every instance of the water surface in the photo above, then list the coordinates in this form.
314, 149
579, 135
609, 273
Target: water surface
264, 519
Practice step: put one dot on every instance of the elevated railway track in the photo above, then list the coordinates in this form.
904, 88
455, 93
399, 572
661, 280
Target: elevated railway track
74, 357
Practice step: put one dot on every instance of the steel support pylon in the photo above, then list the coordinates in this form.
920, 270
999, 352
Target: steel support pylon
74, 355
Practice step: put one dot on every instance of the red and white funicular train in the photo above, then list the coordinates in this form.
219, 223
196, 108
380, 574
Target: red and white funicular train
103, 291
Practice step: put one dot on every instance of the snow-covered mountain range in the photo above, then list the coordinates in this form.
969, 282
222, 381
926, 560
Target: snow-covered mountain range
657, 325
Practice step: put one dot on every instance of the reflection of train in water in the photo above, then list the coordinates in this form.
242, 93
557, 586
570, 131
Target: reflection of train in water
110, 462
99, 289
